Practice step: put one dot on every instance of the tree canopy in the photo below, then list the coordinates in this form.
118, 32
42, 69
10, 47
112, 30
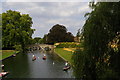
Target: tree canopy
58, 33
100, 57
78, 33
0, 31
16, 29
37, 40
43, 40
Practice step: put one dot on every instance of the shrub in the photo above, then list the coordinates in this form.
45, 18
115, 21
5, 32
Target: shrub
67, 45
18, 47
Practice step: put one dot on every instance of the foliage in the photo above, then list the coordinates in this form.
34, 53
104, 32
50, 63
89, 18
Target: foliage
0, 31
67, 45
37, 39
69, 37
100, 58
58, 33
18, 47
78, 33
44, 39
78, 67
16, 29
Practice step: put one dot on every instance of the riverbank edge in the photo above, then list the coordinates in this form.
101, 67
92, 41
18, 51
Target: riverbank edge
10, 56
61, 56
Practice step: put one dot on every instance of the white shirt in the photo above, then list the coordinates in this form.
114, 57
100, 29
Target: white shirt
44, 55
33, 55
66, 64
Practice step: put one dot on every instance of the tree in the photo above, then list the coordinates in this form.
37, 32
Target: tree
58, 33
101, 51
78, 33
69, 37
43, 40
16, 29
37, 39
0, 31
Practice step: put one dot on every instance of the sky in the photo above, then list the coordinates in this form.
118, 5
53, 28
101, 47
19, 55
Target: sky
46, 14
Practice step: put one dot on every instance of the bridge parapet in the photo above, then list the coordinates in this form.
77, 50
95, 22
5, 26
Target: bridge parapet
43, 46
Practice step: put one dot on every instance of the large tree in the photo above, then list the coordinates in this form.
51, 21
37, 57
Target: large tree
78, 33
100, 58
69, 37
16, 29
0, 31
58, 33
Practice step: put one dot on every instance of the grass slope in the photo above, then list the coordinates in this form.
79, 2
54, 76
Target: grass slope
66, 55
6, 53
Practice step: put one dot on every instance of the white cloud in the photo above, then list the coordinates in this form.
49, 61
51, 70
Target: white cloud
66, 13
52, 21
59, 0
83, 9
45, 15
46, 0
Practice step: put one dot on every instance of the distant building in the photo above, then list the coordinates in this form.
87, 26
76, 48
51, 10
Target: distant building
77, 39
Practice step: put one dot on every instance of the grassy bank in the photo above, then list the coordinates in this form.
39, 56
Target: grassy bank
65, 54
6, 53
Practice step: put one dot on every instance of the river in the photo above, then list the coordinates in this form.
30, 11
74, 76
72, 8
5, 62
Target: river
22, 66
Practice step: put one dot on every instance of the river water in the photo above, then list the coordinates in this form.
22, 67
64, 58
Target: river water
22, 66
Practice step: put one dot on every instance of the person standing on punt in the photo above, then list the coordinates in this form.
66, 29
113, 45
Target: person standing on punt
66, 64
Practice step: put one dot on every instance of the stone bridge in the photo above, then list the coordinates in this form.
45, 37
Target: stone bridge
42, 46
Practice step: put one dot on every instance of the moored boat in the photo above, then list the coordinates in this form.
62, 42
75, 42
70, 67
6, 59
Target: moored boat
2, 65
2, 74
44, 58
66, 68
34, 58
14, 55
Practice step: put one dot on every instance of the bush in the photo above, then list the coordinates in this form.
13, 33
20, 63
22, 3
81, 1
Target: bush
18, 47
67, 45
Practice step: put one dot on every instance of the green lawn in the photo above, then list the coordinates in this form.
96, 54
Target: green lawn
66, 55
6, 53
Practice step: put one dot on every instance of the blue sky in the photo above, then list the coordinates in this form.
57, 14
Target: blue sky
47, 14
